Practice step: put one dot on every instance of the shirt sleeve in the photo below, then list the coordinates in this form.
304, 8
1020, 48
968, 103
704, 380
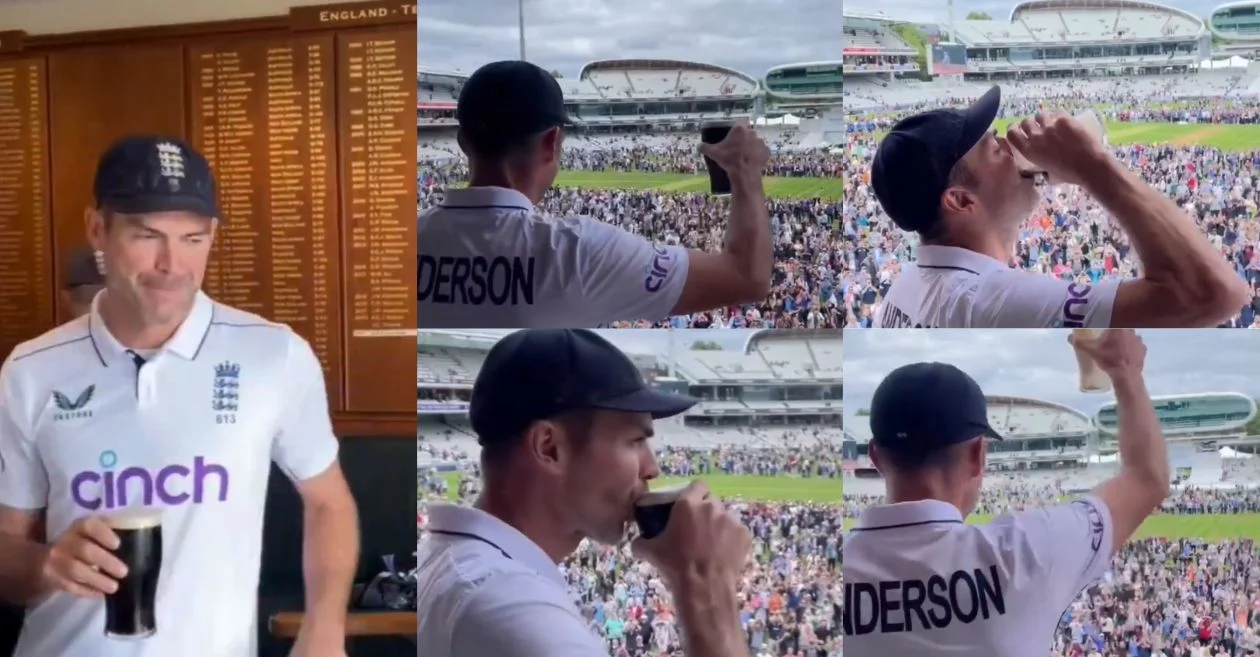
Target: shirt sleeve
626, 277
305, 444
1058, 550
509, 619
23, 479
1018, 299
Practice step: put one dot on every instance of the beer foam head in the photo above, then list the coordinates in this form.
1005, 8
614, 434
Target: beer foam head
135, 519
662, 495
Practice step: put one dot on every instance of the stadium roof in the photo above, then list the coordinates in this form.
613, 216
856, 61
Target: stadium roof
1224, 394
1099, 4
1234, 5
478, 340
757, 335
485, 339
1233, 38
860, 430
783, 67
659, 64
420, 70
1033, 401
877, 16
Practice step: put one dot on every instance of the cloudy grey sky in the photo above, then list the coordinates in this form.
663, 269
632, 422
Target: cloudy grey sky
1040, 363
656, 341
927, 11
747, 35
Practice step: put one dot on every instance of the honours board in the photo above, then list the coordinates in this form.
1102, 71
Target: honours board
26, 302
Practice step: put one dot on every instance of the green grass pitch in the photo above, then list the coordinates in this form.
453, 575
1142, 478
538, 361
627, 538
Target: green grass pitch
1235, 138
776, 187
767, 489
1225, 137
830, 491
1208, 527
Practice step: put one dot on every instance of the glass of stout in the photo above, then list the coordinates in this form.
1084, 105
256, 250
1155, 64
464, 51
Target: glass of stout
651, 512
719, 179
130, 612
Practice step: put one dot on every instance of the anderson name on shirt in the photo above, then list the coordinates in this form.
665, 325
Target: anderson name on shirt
475, 280
910, 605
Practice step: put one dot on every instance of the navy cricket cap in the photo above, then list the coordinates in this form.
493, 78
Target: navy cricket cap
505, 101
923, 407
912, 164
536, 374
143, 174
83, 267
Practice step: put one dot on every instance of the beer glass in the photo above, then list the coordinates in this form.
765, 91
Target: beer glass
1093, 125
1093, 379
719, 179
651, 513
130, 611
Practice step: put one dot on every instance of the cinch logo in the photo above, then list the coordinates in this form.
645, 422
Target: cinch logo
662, 260
1073, 311
173, 485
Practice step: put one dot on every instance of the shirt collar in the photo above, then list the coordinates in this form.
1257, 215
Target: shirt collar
186, 342
953, 257
888, 516
478, 198
469, 520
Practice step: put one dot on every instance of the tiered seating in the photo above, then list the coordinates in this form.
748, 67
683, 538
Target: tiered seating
863, 93
727, 365
679, 82
1018, 419
441, 365
862, 38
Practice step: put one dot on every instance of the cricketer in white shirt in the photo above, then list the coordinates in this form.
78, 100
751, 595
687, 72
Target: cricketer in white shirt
486, 590
488, 259
193, 430
952, 287
919, 582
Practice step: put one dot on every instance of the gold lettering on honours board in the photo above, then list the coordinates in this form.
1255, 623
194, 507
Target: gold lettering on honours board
366, 14
340, 15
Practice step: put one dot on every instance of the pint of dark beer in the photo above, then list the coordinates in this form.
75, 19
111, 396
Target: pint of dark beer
651, 513
130, 611
719, 179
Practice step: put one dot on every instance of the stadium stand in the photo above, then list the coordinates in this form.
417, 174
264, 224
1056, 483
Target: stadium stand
782, 388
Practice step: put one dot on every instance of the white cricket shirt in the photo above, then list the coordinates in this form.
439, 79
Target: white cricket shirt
486, 590
488, 259
193, 431
918, 582
952, 287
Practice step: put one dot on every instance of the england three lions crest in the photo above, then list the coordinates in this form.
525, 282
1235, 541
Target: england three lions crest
227, 392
